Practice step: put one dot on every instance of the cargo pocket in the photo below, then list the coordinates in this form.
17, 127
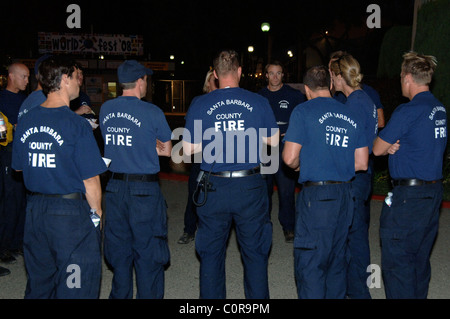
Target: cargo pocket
305, 244
160, 251
305, 256
394, 248
159, 229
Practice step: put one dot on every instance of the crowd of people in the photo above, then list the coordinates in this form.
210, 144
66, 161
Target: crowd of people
322, 140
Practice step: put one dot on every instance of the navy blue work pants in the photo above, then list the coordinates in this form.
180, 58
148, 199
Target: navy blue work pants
136, 236
286, 181
62, 249
358, 248
323, 218
12, 203
242, 201
190, 213
408, 230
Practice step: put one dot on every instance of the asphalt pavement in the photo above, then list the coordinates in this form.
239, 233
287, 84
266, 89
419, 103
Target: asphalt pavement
182, 275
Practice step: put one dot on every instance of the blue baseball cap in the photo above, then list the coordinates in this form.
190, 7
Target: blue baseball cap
131, 70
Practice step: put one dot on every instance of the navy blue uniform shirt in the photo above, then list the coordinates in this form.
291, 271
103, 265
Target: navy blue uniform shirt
230, 124
283, 102
130, 128
10, 103
361, 103
329, 133
56, 151
421, 127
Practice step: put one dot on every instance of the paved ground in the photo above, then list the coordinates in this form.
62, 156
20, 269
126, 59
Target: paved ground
182, 279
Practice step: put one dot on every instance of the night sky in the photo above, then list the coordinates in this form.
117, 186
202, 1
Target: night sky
191, 30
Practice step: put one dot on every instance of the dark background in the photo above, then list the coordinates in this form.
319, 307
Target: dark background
195, 30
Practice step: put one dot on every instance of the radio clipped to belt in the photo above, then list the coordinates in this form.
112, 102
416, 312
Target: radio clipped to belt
204, 185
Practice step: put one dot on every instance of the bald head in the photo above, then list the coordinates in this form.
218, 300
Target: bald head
18, 75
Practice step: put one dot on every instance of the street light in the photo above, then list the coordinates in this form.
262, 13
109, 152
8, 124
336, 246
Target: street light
250, 50
265, 27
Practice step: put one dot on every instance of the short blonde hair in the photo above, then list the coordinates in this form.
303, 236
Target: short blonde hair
227, 61
420, 66
348, 67
209, 74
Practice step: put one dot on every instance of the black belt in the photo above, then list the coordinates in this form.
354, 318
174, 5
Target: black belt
322, 183
136, 177
412, 182
234, 174
65, 196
